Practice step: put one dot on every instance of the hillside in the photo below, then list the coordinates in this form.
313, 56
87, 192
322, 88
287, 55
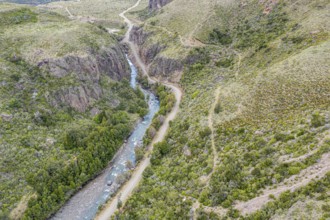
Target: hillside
65, 99
30, 2
251, 139
100, 12
254, 121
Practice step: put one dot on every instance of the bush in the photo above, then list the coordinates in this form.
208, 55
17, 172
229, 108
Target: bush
205, 133
14, 103
217, 108
317, 120
222, 37
139, 153
283, 137
228, 62
163, 147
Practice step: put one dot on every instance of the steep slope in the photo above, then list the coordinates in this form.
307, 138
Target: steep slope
269, 62
157, 4
65, 100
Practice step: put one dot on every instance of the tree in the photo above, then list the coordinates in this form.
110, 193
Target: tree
129, 165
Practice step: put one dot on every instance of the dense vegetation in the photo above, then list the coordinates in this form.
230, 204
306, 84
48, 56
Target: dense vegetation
167, 101
48, 147
91, 148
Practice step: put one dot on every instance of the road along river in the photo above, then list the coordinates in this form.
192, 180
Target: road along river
84, 204
127, 189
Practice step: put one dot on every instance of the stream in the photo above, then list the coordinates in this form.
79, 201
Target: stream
84, 204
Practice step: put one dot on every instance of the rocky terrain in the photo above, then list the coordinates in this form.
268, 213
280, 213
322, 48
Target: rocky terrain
157, 4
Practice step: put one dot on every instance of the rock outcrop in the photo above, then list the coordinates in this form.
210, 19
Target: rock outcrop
138, 35
110, 61
157, 4
164, 67
159, 66
87, 71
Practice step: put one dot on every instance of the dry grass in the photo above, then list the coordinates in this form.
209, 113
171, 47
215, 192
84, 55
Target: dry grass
52, 36
308, 209
183, 16
8, 6
310, 20
143, 5
300, 81
104, 11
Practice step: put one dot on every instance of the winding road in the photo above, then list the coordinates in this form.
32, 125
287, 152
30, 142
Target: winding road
126, 190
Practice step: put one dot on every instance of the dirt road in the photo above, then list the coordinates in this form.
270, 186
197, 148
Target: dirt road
313, 172
128, 188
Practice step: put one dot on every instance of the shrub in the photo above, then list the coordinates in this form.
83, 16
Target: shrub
15, 77
283, 137
256, 172
217, 108
205, 133
228, 62
317, 120
222, 37
14, 103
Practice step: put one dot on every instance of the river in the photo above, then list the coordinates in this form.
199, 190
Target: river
84, 204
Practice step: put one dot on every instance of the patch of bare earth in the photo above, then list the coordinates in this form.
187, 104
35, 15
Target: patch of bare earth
17, 212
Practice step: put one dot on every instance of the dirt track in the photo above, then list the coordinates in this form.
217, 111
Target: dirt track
128, 188
314, 172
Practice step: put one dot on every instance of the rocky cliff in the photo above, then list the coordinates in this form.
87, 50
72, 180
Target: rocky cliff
157, 4
159, 66
88, 71
74, 56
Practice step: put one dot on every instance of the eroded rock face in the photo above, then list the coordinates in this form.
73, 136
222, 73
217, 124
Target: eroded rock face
138, 36
148, 54
159, 66
157, 4
165, 67
87, 71
110, 61
79, 97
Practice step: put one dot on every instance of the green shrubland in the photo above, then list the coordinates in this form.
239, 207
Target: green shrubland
271, 70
